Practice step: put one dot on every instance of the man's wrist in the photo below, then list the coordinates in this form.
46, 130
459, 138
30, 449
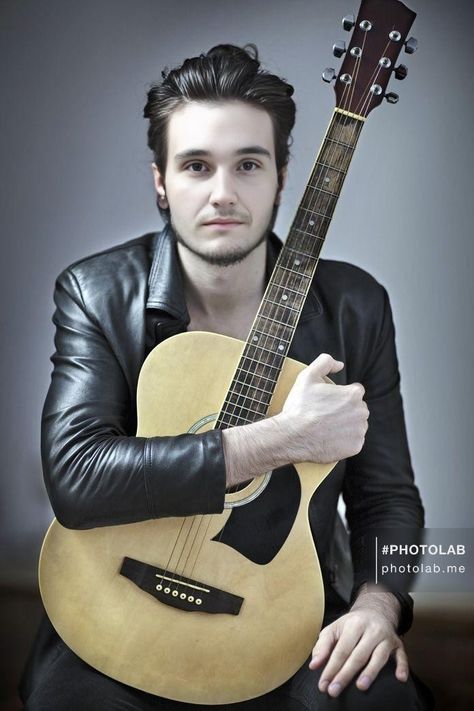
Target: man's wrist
383, 601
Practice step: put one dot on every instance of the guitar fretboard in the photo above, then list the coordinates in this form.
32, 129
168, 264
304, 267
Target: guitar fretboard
274, 326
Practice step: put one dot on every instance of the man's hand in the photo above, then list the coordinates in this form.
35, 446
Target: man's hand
360, 642
320, 422
325, 422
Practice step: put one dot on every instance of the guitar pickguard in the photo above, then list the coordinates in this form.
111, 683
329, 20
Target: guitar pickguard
259, 529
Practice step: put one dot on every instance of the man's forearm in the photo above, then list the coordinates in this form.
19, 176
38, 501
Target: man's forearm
254, 449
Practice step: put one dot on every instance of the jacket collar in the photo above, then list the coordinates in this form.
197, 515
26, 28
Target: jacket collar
165, 282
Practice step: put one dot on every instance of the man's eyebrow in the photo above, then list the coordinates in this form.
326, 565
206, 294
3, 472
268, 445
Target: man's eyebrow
201, 153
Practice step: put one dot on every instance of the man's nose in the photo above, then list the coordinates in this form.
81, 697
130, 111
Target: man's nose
223, 190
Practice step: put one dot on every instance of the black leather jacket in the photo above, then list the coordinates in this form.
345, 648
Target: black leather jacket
112, 308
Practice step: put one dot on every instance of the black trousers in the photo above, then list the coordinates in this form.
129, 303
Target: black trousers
71, 685
55, 679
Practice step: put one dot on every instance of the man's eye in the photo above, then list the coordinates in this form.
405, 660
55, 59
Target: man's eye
249, 165
196, 167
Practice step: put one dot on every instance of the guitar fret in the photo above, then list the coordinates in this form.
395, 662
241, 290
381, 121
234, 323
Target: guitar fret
322, 190
320, 214
248, 385
227, 416
305, 254
243, 407
270, 335
269, 350
331, 167
282, 304
286, 288
253, 374
265, 365
310, 234
273, 320
341, 143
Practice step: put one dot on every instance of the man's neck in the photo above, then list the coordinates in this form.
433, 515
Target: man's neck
216, 292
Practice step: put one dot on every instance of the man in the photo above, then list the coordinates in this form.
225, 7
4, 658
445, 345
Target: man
219, 131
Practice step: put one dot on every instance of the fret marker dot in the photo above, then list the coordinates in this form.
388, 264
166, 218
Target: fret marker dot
297, 262
311, 222
255, 338
284, 297
281, 348
326, 180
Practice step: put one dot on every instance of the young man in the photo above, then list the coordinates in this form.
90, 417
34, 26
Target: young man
219, 129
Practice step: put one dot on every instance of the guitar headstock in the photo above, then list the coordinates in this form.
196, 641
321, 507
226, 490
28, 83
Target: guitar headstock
378, 36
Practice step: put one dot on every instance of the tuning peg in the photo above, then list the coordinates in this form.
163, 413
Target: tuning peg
411, 45
401, 71
392, 98
339, 49
348, 22
329, 74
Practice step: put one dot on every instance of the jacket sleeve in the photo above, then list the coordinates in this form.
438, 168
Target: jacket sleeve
379, 489
96, 473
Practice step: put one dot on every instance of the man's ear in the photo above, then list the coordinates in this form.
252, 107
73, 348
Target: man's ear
281, 183
159, 181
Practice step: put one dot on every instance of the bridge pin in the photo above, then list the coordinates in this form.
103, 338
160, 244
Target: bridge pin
175, 593
198, 601
167, 590
159, 587
191, 598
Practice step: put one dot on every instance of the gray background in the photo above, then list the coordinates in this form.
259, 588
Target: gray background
76, 179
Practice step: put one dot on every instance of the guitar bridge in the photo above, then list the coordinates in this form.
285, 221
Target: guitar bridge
180, 592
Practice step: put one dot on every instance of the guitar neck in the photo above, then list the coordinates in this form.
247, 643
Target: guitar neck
274, 326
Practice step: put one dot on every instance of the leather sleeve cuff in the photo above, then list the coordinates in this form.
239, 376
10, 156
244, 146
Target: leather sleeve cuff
185, 475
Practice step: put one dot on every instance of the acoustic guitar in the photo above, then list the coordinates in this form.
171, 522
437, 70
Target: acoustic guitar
222, 608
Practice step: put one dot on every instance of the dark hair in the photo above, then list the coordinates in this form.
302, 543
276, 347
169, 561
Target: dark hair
224, 73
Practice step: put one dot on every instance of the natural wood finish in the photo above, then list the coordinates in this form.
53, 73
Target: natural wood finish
128, 635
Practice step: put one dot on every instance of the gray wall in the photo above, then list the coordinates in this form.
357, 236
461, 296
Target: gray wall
76, 179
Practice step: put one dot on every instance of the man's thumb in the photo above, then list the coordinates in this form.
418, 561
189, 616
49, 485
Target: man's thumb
325, 364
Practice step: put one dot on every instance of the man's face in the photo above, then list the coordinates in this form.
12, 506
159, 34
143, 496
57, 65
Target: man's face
221, 181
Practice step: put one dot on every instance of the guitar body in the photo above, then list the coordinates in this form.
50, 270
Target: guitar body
190, 655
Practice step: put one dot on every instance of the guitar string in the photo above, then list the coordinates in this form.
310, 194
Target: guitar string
301, 228
313, 200
356, 127
316, 197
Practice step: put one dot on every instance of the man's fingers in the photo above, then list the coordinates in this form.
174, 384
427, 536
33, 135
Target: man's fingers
378, 660
343, 650
325, 364
323, 647
402, 668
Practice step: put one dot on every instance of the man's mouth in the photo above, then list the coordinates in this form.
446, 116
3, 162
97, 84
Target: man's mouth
223, 221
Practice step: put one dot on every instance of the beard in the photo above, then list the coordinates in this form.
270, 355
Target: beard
235, 254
